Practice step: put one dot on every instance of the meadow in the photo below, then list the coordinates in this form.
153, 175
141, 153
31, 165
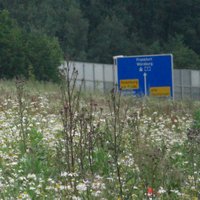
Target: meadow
58, 142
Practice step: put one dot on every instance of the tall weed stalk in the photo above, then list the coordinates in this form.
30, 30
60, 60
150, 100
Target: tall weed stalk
116, 126
69, 113
21, 110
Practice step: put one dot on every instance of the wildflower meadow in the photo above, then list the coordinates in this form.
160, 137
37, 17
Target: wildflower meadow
59, 142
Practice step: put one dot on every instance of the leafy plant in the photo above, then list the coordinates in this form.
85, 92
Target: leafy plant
37, 158
101, 162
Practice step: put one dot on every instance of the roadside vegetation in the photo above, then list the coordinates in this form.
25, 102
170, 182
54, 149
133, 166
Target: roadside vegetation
60, 142
57, 142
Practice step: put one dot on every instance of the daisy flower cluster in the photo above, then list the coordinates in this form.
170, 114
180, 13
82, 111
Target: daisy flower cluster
136, 150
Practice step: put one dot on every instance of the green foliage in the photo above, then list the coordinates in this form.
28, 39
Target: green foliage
74, 33
37, 158
96, 30
44, 55
196, 118
100, 159
148, 141
184, 57
12, 53
31, 74
27, 54
108, 39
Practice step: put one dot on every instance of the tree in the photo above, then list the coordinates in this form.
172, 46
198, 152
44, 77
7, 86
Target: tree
184, 57
20, 51
73, 33
96, 30
12, 51
108, 39
44, 55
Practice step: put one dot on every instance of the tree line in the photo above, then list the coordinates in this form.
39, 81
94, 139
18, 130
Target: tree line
35, 36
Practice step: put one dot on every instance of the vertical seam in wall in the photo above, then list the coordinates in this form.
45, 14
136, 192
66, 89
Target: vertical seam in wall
182, 90
104, 79
94, 83
84, 79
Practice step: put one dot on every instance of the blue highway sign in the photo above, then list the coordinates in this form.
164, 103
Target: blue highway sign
150, 75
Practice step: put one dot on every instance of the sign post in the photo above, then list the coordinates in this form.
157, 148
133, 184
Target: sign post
145, 75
